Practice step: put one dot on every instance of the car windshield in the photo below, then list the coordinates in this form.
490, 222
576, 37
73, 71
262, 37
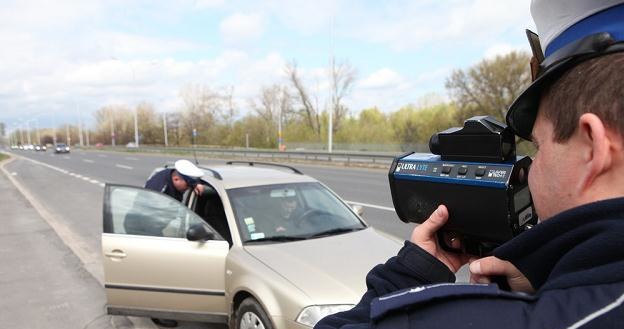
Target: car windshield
289, 212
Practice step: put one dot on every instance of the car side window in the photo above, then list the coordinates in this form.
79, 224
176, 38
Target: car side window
137, 211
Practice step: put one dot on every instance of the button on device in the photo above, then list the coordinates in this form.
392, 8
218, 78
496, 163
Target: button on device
446, 170
462, 170
480, 172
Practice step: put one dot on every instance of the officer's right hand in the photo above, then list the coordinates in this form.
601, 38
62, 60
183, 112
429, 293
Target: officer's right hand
424, 236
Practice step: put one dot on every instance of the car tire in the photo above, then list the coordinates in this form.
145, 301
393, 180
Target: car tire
250, 315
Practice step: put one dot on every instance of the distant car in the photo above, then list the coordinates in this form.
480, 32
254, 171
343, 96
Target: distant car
61, 148
99, 145
40, 148
260, 248
131, 145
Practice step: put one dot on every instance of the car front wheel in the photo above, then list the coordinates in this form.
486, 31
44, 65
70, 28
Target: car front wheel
250, 315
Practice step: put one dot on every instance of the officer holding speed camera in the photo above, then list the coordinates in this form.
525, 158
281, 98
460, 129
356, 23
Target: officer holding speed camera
568, 270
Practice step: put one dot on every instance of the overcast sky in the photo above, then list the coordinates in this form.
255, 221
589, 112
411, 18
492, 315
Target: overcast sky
64, 59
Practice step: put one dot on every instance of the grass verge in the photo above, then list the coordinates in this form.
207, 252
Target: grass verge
3, 156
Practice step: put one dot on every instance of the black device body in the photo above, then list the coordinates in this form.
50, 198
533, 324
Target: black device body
477, 176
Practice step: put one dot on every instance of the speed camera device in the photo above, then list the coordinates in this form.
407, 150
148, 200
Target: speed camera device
475, 173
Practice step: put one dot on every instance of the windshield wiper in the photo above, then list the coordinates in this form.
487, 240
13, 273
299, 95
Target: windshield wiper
335, 231
278, 238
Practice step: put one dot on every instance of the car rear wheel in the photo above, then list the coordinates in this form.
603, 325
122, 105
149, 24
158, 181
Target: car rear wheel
250, 315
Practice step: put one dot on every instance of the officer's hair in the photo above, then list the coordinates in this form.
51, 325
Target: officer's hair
594, 86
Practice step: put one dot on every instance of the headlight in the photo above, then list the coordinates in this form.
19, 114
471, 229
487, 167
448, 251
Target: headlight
310, 315
67, 148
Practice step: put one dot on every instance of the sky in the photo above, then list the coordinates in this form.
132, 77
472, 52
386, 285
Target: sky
62, 60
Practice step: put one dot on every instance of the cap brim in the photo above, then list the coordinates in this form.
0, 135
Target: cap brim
523, 111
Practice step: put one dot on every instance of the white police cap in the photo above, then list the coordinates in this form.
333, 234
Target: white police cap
187, 168
570, 32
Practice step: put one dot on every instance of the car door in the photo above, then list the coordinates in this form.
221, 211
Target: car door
151, 268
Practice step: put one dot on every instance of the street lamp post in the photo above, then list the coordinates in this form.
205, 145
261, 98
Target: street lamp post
165, 128
28, 131
136, 127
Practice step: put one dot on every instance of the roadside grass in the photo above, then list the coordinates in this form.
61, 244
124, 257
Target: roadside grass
3, 156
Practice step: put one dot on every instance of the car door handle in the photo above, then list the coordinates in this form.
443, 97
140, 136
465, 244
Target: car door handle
116, 254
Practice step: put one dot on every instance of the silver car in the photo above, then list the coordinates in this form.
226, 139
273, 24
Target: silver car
262, 247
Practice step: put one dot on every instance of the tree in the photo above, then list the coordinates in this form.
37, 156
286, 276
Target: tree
490, 86
309, 110
203, 107
342, 77
413, 127
272, 105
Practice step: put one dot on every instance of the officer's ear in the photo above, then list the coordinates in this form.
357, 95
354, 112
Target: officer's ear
596, 147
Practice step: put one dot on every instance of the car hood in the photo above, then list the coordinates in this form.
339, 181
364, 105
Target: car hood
329, 270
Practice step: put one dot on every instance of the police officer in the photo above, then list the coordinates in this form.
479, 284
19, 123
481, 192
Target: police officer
175, 181
568, 271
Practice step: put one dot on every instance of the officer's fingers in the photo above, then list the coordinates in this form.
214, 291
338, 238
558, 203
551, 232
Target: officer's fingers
492, 266
437, 219
479, 279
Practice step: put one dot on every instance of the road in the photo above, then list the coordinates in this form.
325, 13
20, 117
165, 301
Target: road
69, 187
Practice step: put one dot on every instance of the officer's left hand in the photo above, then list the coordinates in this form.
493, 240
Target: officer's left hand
199, 189
482, 269
424, 235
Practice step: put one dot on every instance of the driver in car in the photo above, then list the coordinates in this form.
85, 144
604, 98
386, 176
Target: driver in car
289, 211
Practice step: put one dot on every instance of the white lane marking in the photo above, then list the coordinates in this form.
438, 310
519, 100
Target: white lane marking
63, 171
124, 167
102, 155
370, 205
88, 161
133, 159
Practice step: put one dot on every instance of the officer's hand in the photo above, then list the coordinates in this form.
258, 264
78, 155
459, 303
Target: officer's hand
199, 189
424, 235
482, 269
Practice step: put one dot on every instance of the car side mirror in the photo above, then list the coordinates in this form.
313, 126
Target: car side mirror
198, 232
358, 209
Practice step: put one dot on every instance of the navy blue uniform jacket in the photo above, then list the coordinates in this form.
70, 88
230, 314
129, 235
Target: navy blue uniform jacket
575, 261
161, 182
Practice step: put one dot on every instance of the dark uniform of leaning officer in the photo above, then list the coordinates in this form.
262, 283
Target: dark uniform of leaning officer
567, 271
175, 181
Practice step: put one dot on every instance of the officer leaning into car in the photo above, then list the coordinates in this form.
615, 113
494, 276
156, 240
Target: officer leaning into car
567, 271
175, 181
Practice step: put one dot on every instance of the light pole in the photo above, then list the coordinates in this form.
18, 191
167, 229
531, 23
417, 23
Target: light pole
165, 128
38, 133
79, 125
112, 122
28, 131
136, 124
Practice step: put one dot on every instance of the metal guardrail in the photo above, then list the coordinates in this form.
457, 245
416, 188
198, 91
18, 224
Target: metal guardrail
342, 157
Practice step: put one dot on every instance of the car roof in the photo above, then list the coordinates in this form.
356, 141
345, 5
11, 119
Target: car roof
235, 176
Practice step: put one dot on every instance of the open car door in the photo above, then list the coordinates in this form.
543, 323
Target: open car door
151, 268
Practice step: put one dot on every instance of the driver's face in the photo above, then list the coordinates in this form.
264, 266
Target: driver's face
288, 207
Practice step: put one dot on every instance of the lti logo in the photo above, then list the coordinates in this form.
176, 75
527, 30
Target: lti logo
497, 173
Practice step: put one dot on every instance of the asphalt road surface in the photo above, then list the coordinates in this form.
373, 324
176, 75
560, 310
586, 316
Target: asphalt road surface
70, 189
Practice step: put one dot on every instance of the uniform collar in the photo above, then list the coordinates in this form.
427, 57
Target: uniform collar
579, 246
